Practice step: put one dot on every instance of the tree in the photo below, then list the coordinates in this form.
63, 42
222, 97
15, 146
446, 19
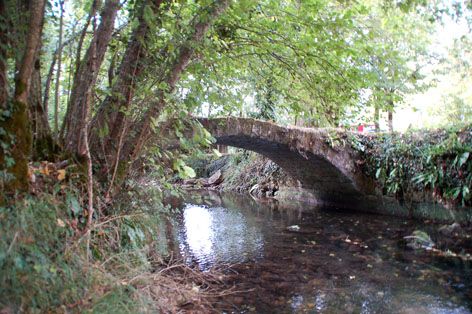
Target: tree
131, 68
15, 123
78, 112
396, 60
109, 123
137, 137
313, 59
454, 75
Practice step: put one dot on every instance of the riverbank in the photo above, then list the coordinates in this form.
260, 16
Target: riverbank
125, 262
51, 263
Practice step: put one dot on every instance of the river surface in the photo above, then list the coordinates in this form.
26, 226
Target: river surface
297, 258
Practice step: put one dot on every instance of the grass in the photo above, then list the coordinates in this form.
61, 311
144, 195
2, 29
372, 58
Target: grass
36, 274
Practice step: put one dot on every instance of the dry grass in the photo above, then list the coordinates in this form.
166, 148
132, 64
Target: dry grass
178, 288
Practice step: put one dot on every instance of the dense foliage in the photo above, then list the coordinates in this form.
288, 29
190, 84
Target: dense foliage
48, 265
439, 162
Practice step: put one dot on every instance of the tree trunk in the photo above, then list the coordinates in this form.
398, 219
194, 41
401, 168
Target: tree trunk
3, 57
78, 58
377, 118
47, 86
390, 120
79, 105
142, 130
109, 120
43, 143
18, 123
58, 73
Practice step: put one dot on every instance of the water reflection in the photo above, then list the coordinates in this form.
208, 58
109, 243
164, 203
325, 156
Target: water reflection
215, 234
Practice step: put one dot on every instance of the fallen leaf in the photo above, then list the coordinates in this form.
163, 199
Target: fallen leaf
44, 170
61, 223
61, 174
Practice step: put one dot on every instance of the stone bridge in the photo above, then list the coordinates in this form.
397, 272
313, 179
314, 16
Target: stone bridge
330, 172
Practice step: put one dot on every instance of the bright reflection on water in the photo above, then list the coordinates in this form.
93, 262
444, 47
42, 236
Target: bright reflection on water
216, 234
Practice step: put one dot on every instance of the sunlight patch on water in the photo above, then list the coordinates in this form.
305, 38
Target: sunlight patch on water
212, 235
198, 229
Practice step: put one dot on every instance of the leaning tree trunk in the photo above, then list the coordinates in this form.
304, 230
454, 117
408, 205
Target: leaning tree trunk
109, 121
141, 131
14, 159
79, 105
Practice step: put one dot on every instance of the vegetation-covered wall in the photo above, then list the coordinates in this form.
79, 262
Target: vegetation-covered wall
436, 162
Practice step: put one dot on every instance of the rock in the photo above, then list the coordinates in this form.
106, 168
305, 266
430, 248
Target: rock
419, 239
189, 181
253, 189
293, 228
237, 300
202, 181
216, 178
449, 229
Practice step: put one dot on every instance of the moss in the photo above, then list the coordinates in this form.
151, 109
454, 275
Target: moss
17, 126
20, 87
45, 148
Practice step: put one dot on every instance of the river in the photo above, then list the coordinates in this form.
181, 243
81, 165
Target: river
297, 258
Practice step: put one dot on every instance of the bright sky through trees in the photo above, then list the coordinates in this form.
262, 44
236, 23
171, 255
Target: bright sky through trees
421, 110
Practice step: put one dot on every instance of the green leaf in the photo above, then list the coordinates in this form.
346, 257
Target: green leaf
74, 205
188, 172
463, 159
378, 172
465, 192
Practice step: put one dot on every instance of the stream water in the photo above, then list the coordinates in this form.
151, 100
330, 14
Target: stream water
296, 258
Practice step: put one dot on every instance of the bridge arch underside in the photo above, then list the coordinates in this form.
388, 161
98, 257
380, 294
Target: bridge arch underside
328, 184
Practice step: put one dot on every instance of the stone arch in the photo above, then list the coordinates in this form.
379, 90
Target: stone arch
329, 172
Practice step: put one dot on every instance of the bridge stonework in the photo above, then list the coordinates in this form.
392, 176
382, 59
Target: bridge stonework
330, 172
